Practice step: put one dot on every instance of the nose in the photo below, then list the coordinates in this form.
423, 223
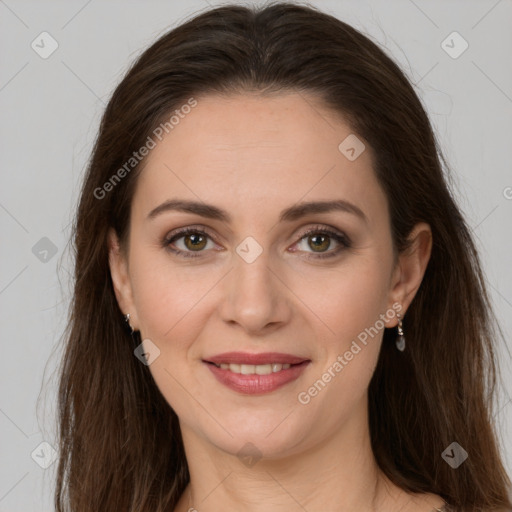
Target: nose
255, 297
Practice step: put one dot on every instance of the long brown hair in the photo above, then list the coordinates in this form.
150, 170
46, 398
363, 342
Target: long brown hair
120, 442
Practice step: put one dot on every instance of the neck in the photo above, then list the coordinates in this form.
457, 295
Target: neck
337, 473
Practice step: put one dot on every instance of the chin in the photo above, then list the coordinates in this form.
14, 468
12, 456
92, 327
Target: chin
270, 437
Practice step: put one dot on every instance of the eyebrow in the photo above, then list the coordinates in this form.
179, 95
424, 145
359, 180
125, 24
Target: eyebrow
289, 214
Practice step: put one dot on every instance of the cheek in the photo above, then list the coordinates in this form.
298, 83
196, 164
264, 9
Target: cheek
170, 303
168, 297
351, 308
346, 300
349, 302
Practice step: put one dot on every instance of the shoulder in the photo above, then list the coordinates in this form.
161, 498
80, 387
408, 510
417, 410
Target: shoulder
427, 502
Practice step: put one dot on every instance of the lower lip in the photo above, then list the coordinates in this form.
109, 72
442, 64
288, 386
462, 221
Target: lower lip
257, 384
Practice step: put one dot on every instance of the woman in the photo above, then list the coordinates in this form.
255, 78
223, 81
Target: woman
278, 305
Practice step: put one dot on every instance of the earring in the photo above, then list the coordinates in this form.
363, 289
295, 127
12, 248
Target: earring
400, 340
127, 320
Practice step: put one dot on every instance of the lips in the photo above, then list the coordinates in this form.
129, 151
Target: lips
256, 373
255, 359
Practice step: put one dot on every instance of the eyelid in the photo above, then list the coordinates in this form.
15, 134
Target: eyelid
181, 232
191, 228
344, 242
325, 227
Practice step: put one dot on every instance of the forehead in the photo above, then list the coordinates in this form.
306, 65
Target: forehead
247, 150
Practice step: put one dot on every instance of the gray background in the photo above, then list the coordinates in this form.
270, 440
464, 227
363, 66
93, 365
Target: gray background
50, 113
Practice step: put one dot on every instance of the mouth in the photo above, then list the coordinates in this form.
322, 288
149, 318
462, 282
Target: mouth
256, 373
255, 369
246, 358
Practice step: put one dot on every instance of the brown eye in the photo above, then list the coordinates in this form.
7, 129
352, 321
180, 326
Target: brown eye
194, 241
319, 242
320, 239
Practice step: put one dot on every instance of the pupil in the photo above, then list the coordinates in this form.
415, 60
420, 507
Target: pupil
316, 237
195, 239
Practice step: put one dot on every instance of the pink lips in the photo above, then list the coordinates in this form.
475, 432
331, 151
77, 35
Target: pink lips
256, 384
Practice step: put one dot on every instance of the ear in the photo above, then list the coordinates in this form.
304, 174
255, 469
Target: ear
410, 269
120, 278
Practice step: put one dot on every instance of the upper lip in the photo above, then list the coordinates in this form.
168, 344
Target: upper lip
255, 359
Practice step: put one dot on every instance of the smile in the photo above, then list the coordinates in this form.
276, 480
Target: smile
267, 373
250, 369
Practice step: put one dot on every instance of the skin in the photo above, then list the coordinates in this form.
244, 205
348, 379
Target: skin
254, 156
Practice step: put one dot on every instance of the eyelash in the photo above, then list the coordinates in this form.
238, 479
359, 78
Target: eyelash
342, 239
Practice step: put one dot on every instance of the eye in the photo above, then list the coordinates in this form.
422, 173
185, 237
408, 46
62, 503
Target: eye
194, 240
320, 239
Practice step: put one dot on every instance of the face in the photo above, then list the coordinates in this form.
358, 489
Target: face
311, 291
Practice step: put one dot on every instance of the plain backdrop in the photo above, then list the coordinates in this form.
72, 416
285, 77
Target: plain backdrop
51, 106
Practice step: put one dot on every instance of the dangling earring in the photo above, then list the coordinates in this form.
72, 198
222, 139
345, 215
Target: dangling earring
127, 320
400, 340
